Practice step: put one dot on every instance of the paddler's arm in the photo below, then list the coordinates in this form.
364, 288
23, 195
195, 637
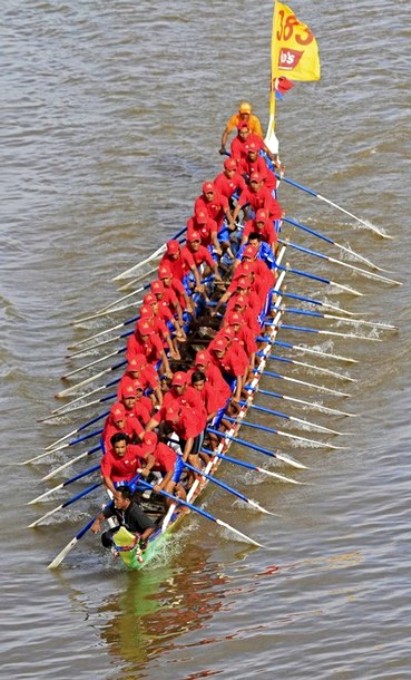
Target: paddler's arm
101, 517
165, 363
188, 448
150, 461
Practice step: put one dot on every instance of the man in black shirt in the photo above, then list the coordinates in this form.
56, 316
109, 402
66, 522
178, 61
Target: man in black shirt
128, 514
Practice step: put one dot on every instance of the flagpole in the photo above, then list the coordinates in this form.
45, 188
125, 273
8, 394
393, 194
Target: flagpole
271, 140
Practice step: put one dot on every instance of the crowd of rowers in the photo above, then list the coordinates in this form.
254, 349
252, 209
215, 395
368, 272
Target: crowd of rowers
225, 269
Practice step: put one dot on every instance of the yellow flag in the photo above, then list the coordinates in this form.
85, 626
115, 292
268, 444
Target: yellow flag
294, 50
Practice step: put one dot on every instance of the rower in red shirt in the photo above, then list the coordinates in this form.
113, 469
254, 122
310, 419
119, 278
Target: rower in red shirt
172, 282
227, 334
211, 400
140, 372
242, 334
119, 465
121, 419
262, 277
214, 204
169, 308
176, 261
149, 312
202, 258
168, 463
257, 196
146, 341
179, 394
206, 226
240, 286
230, 181
239, 303
261, 224
240, 143
232, 364
189, 428
213, 375
254, 163
143, 407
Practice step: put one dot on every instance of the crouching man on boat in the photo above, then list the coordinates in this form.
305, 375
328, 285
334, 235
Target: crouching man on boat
129, 515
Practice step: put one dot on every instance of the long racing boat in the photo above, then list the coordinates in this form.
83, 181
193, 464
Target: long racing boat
294, 58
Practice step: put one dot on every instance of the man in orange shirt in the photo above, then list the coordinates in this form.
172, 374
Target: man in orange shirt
243, 115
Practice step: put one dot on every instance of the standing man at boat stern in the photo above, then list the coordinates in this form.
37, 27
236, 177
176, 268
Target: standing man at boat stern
243, 115
129, 515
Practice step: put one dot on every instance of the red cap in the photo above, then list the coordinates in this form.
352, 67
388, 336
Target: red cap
143, 327
138, 385
229, 333
240, 301
220, 345
201, 217
164, 272
234, 318
157, 287
255, 177
252, 146
243, 283
117, 411
208, 187
149, 299
230, 164
202, 358
128, 391
138, 361
172, 414
247, 269
250, 251
243, 124
150, 442
146, 311
179, 378
261, 215
193, 236
173, 247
